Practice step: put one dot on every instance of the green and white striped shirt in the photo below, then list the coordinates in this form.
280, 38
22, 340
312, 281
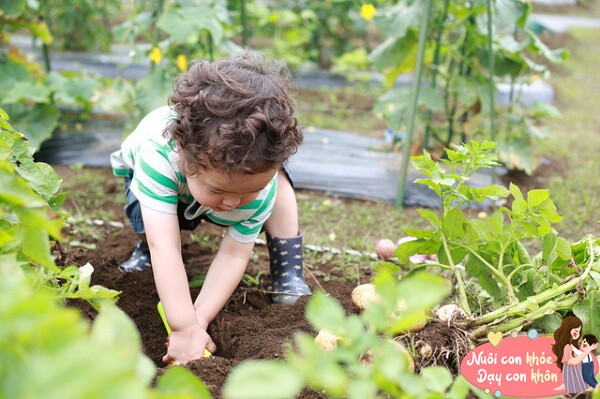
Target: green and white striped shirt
159, 184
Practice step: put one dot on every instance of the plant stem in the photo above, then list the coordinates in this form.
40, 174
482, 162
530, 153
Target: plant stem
462, 294
46, 55
492, 87
512, 274
436, 62
244, 22
510, 290
531, 304
564, 303
413, 108
498, 274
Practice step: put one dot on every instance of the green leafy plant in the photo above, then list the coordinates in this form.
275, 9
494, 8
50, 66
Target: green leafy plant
175, 32
38, 331
312, 33
250, 280
364, 360
104, 360
80, 25
457, 105
489, 254
30, 94
30, 217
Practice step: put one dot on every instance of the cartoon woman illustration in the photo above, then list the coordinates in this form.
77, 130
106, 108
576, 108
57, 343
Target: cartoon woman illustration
566, 340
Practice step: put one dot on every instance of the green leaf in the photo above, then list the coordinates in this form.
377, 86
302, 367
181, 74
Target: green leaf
266, 379
541, 109
429, 215
548, 210
71, 89
494, 191
588, 311
113, 327
537, 46
536, 197
27, 91
437, 379
12, 8
16, 192
419, 233
411, 291
41, 31
42, 178
563, 248
325, 312
10, 74
516, 192
460, 389
181, 382
454, 223
362, 388
517, 154
394, 51
396, 21
153, 91
548, 323
410, 248
511, 12
36, 122
35, 243
57, 201
184, 24
548, 247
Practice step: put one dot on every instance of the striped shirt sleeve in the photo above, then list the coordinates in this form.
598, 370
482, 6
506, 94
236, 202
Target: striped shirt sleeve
154, 181
248, 230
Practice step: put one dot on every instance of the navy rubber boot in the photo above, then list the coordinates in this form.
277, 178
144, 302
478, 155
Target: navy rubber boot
285, 258
139, 260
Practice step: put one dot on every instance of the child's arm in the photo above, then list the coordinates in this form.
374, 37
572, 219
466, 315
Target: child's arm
188, 339
224, 274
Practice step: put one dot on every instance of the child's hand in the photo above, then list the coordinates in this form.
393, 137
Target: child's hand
188, 344
591, 348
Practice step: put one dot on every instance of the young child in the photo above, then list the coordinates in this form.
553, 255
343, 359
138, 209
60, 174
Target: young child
587, 364
217, 154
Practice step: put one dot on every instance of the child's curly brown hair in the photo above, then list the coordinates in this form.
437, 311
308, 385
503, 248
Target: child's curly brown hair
234, 115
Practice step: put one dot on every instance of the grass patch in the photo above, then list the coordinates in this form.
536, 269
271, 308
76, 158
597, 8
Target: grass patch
348, 109
575, 144
346, 223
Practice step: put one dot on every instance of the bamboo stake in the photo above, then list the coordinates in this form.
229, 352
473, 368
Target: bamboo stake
492, 87
413, 108
244, 23
436, 62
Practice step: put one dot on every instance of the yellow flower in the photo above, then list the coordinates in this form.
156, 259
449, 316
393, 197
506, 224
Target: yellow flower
182, 62
367, 11
155, 55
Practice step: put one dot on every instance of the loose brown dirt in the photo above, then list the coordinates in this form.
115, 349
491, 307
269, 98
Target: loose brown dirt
249, 327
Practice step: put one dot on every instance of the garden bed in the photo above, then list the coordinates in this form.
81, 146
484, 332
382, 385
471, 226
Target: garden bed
249, 327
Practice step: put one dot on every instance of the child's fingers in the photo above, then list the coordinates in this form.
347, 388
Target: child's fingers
211, 346
167, 359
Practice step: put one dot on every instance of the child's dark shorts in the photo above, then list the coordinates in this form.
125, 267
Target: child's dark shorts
134, 211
